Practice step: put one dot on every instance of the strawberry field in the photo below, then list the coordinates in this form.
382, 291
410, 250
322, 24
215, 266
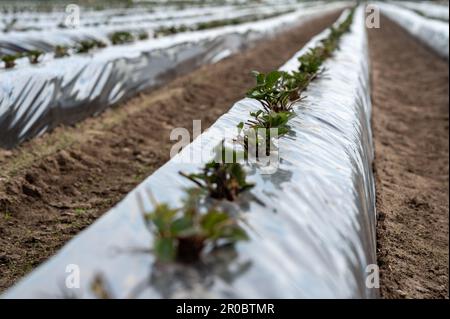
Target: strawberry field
223, 149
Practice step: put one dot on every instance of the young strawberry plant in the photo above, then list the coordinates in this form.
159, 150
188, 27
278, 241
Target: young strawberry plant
121, 37
273, 91
143, 35
87, 45
238, 20
278, 90
221, 180
260, 131
99, 44
165, 31
33, 56
84, 46
182, 234
10, 60
61, 51
272, 120
311, 61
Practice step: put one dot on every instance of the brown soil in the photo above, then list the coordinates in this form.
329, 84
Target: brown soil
55, 185
410, 123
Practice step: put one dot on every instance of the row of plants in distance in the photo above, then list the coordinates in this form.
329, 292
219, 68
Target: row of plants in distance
16, 7
32, 55
164, 31
10, 23
202, 222
84, 46
124, 37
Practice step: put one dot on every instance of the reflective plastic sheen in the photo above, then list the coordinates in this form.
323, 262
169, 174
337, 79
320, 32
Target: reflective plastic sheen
433, 33
34, 99
311, 223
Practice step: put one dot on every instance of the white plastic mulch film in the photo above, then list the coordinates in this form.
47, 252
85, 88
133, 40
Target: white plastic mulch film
433, 33
427, 8
311, 222
42, 30
34, 99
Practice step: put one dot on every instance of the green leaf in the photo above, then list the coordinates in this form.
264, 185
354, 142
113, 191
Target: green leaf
165, 249
180, 225
238, 173
259, 77
282, 130
235, 233
210, 221
272, 78
256, 114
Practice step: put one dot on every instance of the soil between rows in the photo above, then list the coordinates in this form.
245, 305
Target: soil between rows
54, 186
410, 99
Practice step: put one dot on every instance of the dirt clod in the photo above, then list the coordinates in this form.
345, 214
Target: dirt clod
31, 190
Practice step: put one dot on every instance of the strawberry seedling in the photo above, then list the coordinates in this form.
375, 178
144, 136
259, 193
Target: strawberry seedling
273, 91
261, 128
272, 120
61, 51
143, 35
164, 31
220, 179
33, 56
99, 44
84, 46
9, 60
278, 90
182, 234
87, 45
311, 61
121, 37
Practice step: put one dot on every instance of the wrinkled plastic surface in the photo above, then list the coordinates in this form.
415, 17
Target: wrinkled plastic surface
33, 19
432, 32
427, 8
46, 21
312, 223
64, 91
48, 38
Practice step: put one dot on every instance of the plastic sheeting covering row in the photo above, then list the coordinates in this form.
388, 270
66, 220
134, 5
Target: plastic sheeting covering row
64, 91
432, 32
311, 223
27, 21
427, 8
47, 39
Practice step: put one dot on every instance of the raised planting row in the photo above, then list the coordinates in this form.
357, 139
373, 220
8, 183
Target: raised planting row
84, 46
29, 21
183, 233
48, 38
431, 32
64, 91
126, 37
164, 31
24, 22
55, 9
10, 60
427, 9
228, 230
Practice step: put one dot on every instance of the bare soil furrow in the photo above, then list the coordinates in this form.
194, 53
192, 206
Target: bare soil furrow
410, 99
